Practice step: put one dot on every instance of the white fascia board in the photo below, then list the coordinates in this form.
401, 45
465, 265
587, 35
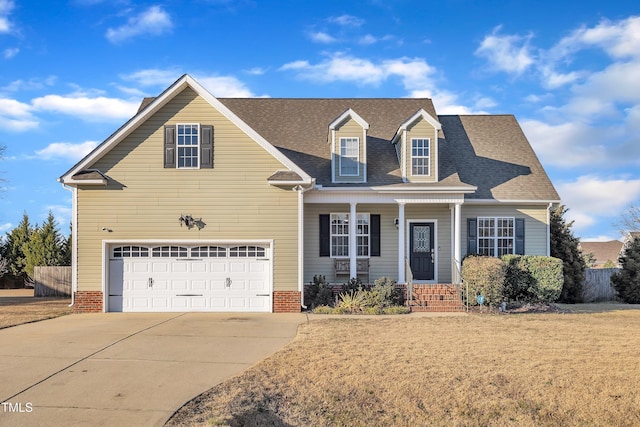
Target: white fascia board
509, 201
84, 181
160, 101
387, 190
344, 116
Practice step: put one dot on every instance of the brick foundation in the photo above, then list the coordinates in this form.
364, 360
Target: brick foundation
88, 302
286, 302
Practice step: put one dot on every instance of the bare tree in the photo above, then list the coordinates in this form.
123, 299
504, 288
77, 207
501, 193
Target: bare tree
630, 220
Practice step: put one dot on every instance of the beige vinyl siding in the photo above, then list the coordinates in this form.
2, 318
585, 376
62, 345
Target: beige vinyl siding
144, 200
387, 263
535, 224
350, 129
384, 265
442, 215
422, 129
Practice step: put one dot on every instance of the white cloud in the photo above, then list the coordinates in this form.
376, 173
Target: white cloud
322, 37
567, 144
16, 116
415, 73
591, 199
88, 108
368, 39
508, 53
347, 20
5, 227
62, 215
225, 86
10, 52
6, 7
154, 21
66, 150
31, 84
153, 77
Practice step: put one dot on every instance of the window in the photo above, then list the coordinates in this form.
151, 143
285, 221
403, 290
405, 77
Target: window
420, 156
209, 252
340, 235
246, 251
130, 252
188, 145
349, 155
362, 235
496, 236
169, 251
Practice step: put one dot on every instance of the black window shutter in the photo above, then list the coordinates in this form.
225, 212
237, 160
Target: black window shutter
519, 236
472, 236
206, 147
325, 235
374, 235
170, 146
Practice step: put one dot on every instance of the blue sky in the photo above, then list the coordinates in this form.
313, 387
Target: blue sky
71, 72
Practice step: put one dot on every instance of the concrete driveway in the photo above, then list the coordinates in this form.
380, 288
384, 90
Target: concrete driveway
127, 369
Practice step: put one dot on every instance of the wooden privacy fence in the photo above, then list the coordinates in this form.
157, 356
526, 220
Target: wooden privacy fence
52, 281
597, 285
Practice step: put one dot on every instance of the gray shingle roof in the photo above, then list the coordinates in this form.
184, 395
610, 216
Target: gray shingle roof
486, 151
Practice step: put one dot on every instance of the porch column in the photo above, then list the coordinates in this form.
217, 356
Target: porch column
353, 247
457, 244
401, 244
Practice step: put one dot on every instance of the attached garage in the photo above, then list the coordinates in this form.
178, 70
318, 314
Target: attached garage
189, 277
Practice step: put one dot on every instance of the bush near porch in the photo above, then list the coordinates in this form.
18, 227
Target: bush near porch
521, 278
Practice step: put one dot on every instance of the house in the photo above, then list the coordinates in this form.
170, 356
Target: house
602, 254
210, 204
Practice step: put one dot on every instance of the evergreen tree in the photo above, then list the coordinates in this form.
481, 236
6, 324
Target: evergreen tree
14, 246
627, 280
565, 245
66, 249
45, 246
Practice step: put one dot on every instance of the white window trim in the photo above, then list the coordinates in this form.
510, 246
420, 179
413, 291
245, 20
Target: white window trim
190, 146
357, 158
349, 222
495, 237
421, 157
331, 235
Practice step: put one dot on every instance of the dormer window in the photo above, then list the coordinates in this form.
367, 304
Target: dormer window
349, 156
420, 159
348, 139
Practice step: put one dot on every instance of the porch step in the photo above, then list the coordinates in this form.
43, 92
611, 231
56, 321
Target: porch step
436, 298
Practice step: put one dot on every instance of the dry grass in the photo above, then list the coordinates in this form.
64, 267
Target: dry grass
488, 370
19, 306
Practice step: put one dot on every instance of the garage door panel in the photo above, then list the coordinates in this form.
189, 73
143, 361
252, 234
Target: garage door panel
213, 280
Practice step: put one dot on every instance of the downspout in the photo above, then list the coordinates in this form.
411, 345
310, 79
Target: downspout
549, 229
74, 242
301, 190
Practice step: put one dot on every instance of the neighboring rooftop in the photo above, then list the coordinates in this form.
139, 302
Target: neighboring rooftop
602, 252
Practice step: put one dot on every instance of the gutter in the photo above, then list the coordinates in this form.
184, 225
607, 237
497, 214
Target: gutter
74, 241
301, 190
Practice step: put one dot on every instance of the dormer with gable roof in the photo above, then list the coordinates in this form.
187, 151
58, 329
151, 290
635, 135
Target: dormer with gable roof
416, 143
348, 138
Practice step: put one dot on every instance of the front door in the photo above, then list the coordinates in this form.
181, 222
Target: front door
421, 250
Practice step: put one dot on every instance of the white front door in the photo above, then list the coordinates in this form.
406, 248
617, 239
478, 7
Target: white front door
195, 278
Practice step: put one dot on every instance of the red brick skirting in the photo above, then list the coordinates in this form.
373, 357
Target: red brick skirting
88, 302
286, 302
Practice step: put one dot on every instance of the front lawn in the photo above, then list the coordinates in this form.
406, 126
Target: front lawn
545, 369
18, 306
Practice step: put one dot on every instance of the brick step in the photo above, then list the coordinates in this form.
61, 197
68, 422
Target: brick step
437, 309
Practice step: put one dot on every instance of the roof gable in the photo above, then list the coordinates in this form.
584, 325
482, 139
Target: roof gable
148, 110
349, 113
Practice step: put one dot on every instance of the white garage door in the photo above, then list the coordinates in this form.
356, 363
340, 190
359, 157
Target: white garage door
189, 278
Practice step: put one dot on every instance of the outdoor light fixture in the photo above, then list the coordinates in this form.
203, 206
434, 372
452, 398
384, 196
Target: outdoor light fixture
396, 221
191, 222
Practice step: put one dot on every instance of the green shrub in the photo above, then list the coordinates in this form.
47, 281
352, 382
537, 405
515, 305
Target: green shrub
318, 293
532, 278
389, 294
353, 301
484, 276
354, 284
627, 280
517, 281
548, 277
